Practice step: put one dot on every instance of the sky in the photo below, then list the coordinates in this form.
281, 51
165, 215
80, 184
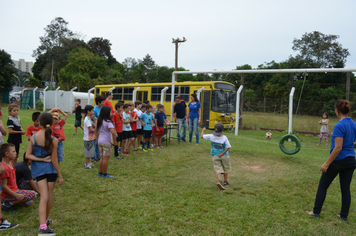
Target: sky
220, 34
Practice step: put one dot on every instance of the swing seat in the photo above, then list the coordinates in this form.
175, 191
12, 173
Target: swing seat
297, 144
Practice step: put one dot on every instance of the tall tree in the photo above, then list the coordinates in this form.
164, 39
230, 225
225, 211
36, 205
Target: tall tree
320, 50
7, 71
102, 48
149, 63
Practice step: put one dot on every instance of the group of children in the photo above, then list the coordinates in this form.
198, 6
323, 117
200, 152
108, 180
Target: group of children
44, 153
130, 125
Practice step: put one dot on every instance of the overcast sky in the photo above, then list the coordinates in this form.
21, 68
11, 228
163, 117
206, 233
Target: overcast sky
220, 34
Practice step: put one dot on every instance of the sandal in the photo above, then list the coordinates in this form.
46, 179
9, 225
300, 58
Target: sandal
311, 213
344, 219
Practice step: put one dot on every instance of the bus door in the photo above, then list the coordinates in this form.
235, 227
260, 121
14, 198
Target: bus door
205, 102
142, 95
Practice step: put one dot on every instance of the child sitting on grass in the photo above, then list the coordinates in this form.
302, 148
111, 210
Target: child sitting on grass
11, 194
32, 129
220, 147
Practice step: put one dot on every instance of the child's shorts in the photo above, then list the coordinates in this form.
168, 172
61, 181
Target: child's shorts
134, 133
222, 165
139, 131
28, 196
153, 131
60, 153
160, 131
78, 123
89, 148
105, 149
120, 137
127, 135
147, 133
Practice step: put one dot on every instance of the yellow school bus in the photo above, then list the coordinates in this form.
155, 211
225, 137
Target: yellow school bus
218, 99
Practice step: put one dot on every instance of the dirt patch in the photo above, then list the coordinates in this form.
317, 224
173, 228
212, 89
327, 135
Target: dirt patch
257, 168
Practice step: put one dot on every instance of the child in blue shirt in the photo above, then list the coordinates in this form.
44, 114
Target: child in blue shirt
220, 147
147, 118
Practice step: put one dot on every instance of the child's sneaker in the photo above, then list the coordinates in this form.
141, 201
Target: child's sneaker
226, 184
107, 176
151, 149
47, 231
119, 157
120, 149
135, 149
157, 146
88, 166
145, 150
6, 206
220, 185
160, 146
100, 174
7, 225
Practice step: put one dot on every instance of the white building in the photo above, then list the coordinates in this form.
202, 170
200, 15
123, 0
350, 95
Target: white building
24, 66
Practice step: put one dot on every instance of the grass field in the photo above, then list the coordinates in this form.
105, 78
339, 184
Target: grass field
172, 191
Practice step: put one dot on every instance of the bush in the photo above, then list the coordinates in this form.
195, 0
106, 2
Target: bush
39, 105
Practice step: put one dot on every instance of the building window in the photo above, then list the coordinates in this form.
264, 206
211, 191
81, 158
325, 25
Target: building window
156, 93
117, 94
169, 93
128, 93
184, 93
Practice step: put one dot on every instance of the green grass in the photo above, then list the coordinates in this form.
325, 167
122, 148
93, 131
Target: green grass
300, 123
172, 191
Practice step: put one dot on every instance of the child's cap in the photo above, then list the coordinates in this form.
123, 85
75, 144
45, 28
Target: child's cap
218, 129
56, 115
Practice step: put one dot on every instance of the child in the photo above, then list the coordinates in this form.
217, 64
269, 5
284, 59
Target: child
127, 131
32, 129
100, 101
2, 132
4, 224
116, 119
147, 119
11, 194
133, 124
220, 147
89, 128
153, 139
324, 129
57, 130
15, 130
24, 179
160, 120
42, 151
138, 105
78, 115
105, 132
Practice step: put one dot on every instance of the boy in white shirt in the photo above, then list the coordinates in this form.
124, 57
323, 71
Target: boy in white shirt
220, 147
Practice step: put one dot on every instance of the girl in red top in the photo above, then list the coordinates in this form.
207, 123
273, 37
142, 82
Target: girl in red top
109, 96
116, 119
133, 125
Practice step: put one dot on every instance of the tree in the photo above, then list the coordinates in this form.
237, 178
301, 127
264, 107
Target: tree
83, 67
149, 63
320, 50
21, 78
7, 71
102, 48
53, 51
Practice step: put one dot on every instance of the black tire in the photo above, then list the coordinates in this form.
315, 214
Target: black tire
297, 144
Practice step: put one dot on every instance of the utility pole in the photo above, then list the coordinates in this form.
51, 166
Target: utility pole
176, 42
52, 75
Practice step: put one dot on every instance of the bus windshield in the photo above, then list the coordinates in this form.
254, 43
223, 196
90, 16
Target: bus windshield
223, 101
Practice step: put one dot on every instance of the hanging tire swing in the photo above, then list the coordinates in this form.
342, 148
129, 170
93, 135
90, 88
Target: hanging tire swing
295, 139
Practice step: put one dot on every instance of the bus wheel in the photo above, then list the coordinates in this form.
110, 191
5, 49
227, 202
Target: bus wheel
295, 139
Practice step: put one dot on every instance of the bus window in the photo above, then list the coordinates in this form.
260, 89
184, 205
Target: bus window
184, 93
128, 93
117, 94
169, 93
156, 94
97, 91
223, 101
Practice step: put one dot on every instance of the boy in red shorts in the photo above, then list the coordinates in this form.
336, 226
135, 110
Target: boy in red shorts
160, 120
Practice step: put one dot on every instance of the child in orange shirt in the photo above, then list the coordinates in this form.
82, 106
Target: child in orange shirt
32, 129
57, 130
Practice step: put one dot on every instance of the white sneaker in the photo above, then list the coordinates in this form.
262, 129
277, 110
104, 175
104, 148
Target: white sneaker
7, 225
88, 166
